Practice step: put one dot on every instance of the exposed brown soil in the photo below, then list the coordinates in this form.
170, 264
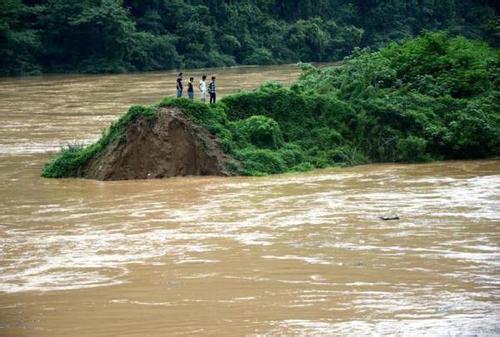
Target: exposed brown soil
170, 145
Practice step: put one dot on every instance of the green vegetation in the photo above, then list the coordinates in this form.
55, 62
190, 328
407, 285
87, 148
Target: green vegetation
430, 98
72, 158
95, 36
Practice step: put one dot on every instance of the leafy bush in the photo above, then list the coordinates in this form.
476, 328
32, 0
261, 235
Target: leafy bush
292, 155
412, 149
263, 132
261, 161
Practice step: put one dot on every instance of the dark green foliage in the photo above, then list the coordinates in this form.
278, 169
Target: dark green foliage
343, 155
19, 43
412, 149
436, 65
125, 35
261, 161
259, 56
401, 104
263, 132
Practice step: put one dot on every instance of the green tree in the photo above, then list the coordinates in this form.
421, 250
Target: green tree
19, 44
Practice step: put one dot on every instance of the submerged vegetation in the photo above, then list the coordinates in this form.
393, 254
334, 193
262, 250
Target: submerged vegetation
96, 36
429, 98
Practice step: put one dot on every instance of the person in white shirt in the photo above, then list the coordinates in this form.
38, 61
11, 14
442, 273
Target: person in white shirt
203, 88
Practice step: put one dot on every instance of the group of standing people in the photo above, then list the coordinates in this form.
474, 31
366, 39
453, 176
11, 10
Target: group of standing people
211, 88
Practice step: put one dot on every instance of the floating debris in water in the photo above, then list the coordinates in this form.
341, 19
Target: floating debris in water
393, 217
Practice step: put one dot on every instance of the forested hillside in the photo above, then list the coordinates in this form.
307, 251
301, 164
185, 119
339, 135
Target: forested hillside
96, 36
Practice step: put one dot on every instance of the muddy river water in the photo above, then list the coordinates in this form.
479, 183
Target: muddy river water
294, 254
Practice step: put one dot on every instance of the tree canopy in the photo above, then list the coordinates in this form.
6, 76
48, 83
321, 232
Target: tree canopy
96, 36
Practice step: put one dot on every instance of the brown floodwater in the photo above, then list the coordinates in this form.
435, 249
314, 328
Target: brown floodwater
293, 254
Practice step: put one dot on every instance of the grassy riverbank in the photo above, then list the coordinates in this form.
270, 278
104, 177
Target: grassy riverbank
430, 98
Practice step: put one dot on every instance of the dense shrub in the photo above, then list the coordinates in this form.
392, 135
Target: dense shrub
261, 161
412, 149
263, 132
433, 97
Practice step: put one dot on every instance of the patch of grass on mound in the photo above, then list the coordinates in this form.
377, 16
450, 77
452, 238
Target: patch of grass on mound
73, 157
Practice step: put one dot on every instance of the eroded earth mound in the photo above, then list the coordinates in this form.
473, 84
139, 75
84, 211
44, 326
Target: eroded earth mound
166, 146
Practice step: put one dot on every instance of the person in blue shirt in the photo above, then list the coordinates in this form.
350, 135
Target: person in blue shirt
212, 90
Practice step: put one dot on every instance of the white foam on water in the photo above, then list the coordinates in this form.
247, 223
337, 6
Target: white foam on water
456, 325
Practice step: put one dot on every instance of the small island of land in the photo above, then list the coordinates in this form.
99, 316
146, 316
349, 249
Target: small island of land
430, 98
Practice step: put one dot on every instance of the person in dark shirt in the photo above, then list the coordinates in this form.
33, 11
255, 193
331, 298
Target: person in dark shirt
191, 88
180, 87
212, 90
